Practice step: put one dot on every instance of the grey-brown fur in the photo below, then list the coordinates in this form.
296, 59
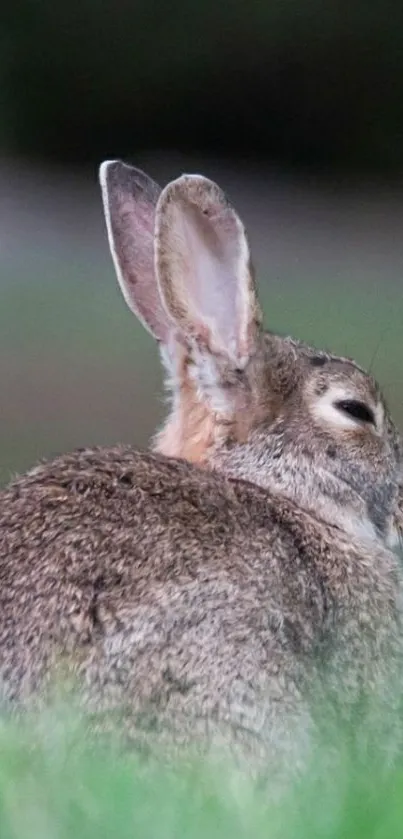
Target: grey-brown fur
158, 604
220, 597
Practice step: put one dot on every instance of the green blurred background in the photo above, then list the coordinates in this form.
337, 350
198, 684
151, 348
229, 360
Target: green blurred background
296, 108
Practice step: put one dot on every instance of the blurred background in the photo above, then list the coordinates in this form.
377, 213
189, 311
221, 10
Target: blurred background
296, 108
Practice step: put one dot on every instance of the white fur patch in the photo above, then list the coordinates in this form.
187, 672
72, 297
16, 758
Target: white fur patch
394, 540
206, 377
362, 528
325, 411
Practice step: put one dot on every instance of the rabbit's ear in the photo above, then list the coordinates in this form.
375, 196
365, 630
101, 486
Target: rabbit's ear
204, 270
129, 199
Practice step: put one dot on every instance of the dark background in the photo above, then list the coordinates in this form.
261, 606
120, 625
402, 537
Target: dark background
301, 82
294, 107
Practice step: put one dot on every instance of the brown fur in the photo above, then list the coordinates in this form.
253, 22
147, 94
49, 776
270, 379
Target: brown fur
189, 431
203, 603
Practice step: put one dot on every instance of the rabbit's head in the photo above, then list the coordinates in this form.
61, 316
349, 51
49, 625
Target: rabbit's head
247, 402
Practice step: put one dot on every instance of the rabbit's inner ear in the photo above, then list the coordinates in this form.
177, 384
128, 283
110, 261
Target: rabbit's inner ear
129, 199
204, 271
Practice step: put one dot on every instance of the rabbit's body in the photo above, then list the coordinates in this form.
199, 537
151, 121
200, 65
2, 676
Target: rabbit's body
226, 592
131, 570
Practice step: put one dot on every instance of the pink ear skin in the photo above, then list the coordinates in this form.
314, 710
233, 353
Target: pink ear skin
204, 268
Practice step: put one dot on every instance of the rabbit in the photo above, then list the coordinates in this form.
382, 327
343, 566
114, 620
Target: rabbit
216, 589
194, 430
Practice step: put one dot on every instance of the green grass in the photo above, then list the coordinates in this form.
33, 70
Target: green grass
57, 783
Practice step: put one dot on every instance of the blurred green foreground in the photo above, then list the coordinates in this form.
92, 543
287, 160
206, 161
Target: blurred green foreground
57, 784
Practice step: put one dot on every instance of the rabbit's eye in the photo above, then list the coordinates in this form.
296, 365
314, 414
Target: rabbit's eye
356, 409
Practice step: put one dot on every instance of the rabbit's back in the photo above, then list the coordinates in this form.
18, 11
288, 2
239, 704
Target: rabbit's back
99, 542
175, 592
